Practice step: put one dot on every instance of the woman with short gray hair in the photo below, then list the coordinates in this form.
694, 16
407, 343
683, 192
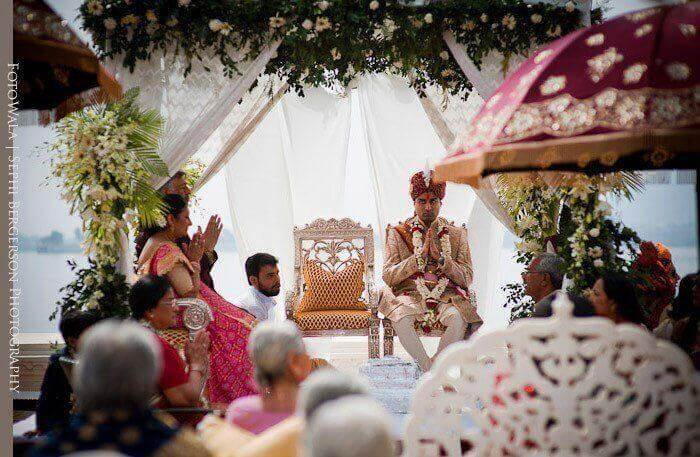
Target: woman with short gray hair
115, 379
353, 426
281, 363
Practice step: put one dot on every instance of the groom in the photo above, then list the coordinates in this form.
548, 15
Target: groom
427, 267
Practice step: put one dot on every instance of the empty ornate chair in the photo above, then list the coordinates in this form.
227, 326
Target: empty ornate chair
333, 281
384, 293
558, 386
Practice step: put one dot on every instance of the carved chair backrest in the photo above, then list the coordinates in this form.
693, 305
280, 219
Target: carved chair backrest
558, 386
334, 244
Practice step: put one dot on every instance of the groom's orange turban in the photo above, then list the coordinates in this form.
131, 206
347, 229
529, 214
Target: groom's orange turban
419, 186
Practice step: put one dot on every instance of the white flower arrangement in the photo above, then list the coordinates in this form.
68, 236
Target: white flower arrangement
104, 159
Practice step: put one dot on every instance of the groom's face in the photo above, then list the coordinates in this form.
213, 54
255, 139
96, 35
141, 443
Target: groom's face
427, 207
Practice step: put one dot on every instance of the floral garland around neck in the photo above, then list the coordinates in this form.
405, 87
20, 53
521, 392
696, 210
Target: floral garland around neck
430, 296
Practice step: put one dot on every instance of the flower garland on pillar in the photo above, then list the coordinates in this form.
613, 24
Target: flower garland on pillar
104, 159
574, 216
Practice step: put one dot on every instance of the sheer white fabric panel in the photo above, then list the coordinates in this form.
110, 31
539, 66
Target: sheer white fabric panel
315, 132
193, 106
238, 125
399, 140
290, 171
259, 195
450, 116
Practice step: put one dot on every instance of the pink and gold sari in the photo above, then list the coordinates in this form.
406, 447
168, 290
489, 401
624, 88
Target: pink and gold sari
231, 371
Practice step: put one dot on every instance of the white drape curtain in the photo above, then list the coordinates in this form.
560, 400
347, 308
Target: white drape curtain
450, 116
290, 171
193, 106
398, 143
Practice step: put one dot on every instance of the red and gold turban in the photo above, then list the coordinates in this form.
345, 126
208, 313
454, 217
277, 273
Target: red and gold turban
421, 185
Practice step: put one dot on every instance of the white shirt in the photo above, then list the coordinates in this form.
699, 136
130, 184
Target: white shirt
256, 303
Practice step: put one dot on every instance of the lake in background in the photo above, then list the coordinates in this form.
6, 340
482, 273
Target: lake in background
42, 275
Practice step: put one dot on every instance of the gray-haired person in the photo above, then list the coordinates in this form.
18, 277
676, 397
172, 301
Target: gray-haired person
353, 426
543, 276
281, 363
115, 379
325, 385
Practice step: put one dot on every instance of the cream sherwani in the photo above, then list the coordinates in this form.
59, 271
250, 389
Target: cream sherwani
400, 266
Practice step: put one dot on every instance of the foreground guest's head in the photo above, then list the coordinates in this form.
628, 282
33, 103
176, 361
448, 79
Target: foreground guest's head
325, 385
177, 184
582, 306
278, 355
354, 426
427, 195
151, 300
73, 324
613, 296
544, 275
118, 368
263, 273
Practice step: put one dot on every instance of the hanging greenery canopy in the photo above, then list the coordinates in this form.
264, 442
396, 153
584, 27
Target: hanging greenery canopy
328, 42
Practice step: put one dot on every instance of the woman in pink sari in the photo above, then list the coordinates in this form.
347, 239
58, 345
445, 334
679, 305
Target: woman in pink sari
231, 370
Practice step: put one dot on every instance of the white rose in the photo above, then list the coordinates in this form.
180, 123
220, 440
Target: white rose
598, 263
484, 18
373, 5
595, 252
536, 18
215, 25
110, 24
428, 18
323, 5
89, 281
307, 24
594, 232
444, 55
570, 7
183, 2
92, 303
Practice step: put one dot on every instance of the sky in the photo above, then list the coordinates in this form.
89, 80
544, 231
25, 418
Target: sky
42, 211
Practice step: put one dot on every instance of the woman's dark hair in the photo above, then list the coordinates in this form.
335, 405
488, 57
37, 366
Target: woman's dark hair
683, 303
174, 205
255, 262
621, 290
146, 293
74, 323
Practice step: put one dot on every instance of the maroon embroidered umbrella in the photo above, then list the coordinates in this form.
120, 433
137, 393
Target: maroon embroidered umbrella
57, 70
623, 94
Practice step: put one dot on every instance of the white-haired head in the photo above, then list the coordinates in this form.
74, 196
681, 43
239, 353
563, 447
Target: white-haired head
270, 346
118, 367
354, 426
325, 385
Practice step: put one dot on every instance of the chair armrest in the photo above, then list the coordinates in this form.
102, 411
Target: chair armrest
289, 299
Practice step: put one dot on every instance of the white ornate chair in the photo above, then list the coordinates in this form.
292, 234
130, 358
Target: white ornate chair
559, 386
436, 331
334, 246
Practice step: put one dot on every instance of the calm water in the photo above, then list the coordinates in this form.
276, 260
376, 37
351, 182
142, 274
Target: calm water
42, 275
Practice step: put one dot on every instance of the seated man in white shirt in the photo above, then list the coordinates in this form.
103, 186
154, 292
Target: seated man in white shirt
264, 279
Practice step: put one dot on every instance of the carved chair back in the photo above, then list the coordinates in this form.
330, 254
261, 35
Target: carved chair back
334, 244
558, 386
